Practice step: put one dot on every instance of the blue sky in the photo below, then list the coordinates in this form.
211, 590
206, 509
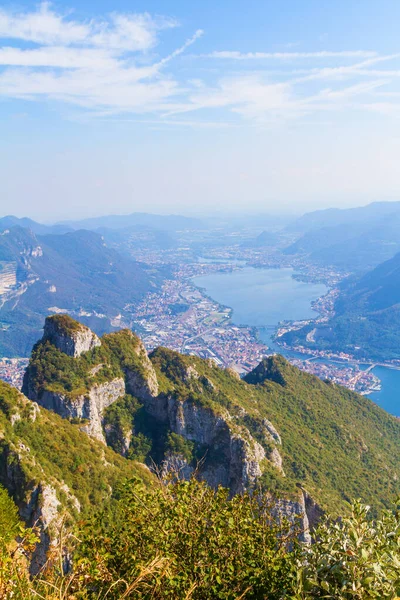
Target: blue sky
198, 106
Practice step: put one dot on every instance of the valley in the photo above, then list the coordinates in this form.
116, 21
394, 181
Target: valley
232, 293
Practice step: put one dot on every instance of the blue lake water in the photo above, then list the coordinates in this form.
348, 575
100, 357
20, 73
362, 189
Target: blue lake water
263, 297
389, 396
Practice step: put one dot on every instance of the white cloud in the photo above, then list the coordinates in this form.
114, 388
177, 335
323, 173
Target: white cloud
66, 58
42, 26
129, 32
104, 65
234, 55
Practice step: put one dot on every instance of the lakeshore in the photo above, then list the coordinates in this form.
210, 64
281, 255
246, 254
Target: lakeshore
271, 298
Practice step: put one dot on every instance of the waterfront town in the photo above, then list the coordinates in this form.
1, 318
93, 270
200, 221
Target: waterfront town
182, 317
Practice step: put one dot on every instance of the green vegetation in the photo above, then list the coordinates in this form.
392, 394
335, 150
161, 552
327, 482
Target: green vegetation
336, 444
178, 445
178, 308
125, 420
64, 324
51, 369
44, 447
184, 540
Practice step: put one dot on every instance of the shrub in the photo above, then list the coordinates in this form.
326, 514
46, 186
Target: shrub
356, 558
210, 546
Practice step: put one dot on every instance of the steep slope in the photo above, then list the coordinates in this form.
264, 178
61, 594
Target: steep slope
75, 273
367, 316
51, 467
280, 428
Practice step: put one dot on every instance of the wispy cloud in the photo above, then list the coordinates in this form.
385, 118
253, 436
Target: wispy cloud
235, 55
119, 31
110, 66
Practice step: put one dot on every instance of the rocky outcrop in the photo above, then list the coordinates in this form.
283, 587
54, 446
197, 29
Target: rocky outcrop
303, 513
271, 368
142, 381
71, 338
37, 502
232, 457
88, 406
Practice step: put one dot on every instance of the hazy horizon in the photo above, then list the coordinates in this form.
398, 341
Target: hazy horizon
171, 107
217, 214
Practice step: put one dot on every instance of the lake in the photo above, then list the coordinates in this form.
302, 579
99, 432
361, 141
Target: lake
389, 396
263, 297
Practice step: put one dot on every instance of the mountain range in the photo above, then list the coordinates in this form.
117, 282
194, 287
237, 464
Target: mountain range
143, 220
353, 240
74, 272
98, 410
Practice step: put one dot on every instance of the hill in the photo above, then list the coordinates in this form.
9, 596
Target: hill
331, 217
367, 316
263, 240
49, 466
363, 240
75, 272
37, 228
316, 444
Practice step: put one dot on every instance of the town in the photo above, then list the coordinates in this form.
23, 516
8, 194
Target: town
182, 317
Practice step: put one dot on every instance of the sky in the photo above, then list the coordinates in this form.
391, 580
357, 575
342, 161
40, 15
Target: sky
197, 107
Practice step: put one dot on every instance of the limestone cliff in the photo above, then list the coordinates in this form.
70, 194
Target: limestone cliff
52, 470
70, 337
88, 407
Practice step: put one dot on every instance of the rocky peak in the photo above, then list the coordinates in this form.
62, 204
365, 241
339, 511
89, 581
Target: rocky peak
69, 336
271, 368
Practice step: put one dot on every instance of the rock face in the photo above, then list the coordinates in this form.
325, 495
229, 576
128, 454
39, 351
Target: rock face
69, 337
239, 456
89, 406
303, 512
38, 505
142, 382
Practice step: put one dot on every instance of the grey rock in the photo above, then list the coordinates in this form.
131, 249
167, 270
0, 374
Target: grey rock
72, 343
89, 406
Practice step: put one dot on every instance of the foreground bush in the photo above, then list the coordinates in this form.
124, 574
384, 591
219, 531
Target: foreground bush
357, 558
210, 546
186, 541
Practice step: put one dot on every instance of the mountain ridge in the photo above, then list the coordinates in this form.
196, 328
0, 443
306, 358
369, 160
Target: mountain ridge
74, 272
279, 426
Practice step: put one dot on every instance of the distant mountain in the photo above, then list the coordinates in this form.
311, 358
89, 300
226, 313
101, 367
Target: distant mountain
353, 245
37, 228
342, 216
158, 222
367, 316
264, 240
75, 272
